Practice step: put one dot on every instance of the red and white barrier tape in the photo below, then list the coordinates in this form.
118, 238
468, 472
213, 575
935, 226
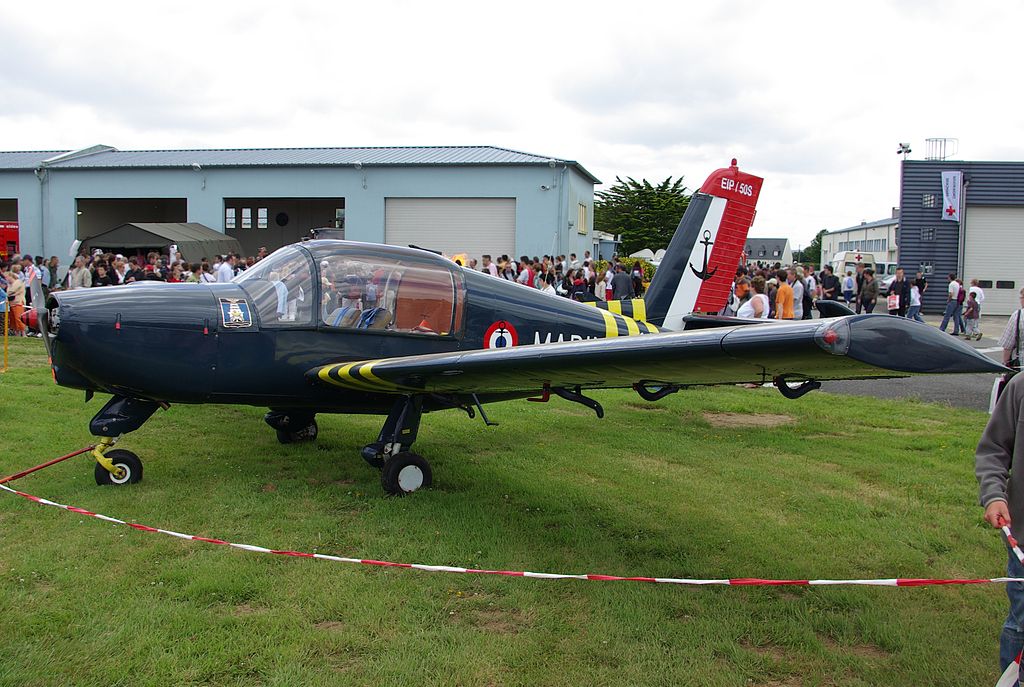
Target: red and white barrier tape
736, 582
1014, 546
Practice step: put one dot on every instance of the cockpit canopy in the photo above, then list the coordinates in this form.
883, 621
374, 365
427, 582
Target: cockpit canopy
353, 286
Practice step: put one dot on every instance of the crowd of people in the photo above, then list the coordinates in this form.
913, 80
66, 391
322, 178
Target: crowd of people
569, 277
758, 291
104, 269
566, 276
788, 293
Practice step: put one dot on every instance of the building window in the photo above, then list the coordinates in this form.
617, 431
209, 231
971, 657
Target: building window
928, 234
229, 218
339, 218
761, 253
1005, 284
261, 218
581, 219
928, 200
247, 218
927, 268
776, 253
985, 283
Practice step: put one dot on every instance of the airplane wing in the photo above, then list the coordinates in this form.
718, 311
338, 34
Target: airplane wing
856, 347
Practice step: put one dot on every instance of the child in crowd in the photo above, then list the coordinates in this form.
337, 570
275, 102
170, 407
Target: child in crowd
972, 314
849, 284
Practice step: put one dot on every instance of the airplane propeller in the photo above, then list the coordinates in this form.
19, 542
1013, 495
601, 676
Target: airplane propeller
38, 315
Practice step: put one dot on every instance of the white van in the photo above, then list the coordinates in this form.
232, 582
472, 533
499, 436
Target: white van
847, 261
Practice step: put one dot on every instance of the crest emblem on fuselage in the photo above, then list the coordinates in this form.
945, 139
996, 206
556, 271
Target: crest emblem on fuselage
235, 312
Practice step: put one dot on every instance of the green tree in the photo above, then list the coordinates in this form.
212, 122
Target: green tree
812, 253
644, 215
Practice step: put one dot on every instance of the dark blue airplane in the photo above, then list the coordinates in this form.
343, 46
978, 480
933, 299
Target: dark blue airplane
328, 326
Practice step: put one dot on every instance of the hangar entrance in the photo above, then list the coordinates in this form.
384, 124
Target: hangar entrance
97, 215
473, 226
992, 255
276, 222
8, 227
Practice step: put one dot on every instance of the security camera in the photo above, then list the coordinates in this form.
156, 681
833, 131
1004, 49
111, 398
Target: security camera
545, 187
196, 167
358, 164
551, 164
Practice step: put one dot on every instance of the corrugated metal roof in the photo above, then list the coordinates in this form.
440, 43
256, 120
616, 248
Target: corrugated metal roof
25, 159
868, 225
288, 157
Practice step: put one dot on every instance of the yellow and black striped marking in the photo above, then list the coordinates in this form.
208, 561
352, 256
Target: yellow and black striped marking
625, 318
359, 376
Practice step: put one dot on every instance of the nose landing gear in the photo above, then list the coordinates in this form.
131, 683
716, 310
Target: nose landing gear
119, 416
124, 468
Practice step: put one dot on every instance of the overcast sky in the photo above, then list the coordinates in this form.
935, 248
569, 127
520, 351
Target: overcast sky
813, 96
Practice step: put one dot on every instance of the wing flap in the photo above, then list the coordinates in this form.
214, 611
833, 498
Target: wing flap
860, 347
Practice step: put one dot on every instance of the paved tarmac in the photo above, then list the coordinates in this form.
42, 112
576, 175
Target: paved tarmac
962, 391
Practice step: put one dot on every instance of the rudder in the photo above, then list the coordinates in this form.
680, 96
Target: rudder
700, 263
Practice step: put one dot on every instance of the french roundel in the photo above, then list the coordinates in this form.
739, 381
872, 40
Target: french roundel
501, 334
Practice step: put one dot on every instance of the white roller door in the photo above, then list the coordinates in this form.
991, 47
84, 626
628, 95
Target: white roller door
994, 252
473, 226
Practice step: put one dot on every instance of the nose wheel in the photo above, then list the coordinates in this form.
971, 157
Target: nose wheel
404, 473
128, 468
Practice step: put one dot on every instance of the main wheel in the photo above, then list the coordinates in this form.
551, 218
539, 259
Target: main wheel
127, 461
307, 433
404, 473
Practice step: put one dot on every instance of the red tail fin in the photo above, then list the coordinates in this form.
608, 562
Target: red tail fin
698, 268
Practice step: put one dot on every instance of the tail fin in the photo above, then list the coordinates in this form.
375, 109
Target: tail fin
700, 264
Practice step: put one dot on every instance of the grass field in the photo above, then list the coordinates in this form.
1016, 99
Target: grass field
838, 487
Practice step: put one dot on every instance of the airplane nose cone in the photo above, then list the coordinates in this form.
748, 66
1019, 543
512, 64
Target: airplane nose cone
903, 345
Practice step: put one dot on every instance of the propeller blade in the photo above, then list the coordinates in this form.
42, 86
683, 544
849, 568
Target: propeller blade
41, 314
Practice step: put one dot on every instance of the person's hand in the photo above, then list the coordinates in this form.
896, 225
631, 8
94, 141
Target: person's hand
997, 514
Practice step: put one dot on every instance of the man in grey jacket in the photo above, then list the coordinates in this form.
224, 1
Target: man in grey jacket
999, 466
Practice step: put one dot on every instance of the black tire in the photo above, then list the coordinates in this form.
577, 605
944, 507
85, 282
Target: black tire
307, 433
127, 461
405, 473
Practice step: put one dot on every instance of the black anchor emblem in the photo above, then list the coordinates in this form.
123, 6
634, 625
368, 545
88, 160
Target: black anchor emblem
704, 275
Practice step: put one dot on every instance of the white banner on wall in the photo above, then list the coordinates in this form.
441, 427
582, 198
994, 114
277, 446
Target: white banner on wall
951, 183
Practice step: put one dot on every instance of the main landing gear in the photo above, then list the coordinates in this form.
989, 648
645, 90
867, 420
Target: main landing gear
401, 471
292, 427
119, 416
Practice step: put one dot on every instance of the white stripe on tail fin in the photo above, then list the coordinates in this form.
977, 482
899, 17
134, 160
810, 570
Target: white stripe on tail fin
700, 264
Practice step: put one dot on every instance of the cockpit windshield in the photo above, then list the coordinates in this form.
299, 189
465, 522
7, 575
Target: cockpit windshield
281, 287
388, 293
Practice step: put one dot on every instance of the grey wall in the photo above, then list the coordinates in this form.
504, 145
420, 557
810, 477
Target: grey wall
303, 215
987, 183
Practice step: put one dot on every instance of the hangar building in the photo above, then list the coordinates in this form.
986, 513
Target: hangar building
986, 244
472, 199
878, 238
